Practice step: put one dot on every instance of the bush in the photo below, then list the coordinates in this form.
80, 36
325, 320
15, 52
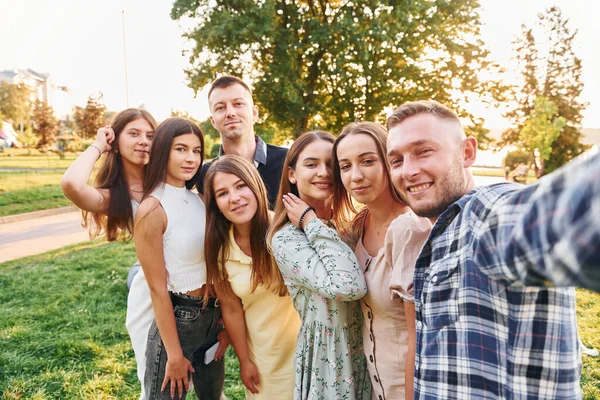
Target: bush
214, 151
517, 157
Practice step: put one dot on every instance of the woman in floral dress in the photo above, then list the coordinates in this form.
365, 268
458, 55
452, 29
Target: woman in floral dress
322, 275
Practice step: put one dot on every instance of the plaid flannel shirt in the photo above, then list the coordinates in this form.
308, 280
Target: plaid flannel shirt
490, 324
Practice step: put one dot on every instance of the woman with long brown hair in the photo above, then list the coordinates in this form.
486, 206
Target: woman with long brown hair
388, 237
257, 309
169, 242
322, 276
109, 206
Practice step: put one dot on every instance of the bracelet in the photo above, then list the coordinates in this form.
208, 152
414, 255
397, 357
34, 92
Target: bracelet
97, 148
304, 215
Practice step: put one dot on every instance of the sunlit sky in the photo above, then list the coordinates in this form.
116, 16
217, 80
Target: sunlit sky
80, 44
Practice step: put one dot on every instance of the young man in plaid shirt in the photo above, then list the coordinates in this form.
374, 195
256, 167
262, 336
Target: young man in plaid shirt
493, 283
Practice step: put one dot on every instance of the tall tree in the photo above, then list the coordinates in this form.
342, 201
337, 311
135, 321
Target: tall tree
540, 131
90, 118
15, 103
556, 75
44, 123
323, 64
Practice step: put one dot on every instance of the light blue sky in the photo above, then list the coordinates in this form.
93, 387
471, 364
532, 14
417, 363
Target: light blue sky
80, 44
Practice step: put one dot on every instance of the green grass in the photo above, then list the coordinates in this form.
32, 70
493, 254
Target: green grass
62, 326
20, 158
43, 161
34, 199
62, 333
588, 319
22, 192
10, 181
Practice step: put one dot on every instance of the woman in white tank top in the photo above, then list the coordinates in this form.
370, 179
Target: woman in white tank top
109, 206
169, 241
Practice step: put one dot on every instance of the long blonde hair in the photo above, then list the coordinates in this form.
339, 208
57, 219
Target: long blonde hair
216, 243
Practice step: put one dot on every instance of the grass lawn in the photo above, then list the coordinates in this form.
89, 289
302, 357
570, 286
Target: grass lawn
22, 192
62, 326
20, 158
588, 319
62, 333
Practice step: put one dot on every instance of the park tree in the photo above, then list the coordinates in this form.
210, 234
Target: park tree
540, 131
15, 103
323, 64
90, 118
45, 124
554, 74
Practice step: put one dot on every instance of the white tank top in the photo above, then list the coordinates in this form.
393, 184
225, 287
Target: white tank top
183, 240
134, 207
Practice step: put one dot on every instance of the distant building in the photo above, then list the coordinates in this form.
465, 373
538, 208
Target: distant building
42, 88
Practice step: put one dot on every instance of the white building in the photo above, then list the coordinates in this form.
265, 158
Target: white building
42, 88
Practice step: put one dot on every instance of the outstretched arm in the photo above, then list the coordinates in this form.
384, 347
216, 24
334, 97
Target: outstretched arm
74, 182
547, 233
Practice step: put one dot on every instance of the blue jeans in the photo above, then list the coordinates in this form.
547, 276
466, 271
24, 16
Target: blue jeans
197, 329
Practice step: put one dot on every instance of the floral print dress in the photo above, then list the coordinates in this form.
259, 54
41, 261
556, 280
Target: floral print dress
324, 280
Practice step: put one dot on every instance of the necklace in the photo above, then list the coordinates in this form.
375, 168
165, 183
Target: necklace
135, 191
184, 191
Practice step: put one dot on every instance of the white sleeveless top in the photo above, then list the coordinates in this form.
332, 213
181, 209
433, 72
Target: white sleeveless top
134, 207
183, 240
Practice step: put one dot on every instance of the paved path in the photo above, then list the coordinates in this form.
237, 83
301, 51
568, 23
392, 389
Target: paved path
34, 236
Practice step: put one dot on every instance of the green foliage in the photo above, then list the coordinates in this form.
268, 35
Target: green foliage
208, 145
15, 103
90, 118
208, 129
45, 124
184, 114
517, 157
28, 138
317, 64
556, 75
62, 331
541, 130
214, 150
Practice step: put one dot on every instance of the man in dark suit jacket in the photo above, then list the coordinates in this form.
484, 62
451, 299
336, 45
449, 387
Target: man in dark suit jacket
233, 114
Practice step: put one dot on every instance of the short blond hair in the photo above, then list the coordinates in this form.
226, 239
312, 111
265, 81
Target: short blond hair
413, 108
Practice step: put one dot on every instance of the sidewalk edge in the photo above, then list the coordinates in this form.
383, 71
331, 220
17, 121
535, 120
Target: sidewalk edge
36, 214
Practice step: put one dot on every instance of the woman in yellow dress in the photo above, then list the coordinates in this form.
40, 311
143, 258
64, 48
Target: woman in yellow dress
256, 306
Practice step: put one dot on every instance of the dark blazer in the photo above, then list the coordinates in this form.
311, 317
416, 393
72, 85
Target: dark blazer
270, 172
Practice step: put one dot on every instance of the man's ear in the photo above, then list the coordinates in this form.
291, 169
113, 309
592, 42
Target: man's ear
254, 113
212, 121
291, 176
469, 148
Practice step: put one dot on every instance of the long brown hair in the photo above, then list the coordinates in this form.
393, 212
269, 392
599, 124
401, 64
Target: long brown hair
169, 129
341, 197
216, 244
117, 222
286, 186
